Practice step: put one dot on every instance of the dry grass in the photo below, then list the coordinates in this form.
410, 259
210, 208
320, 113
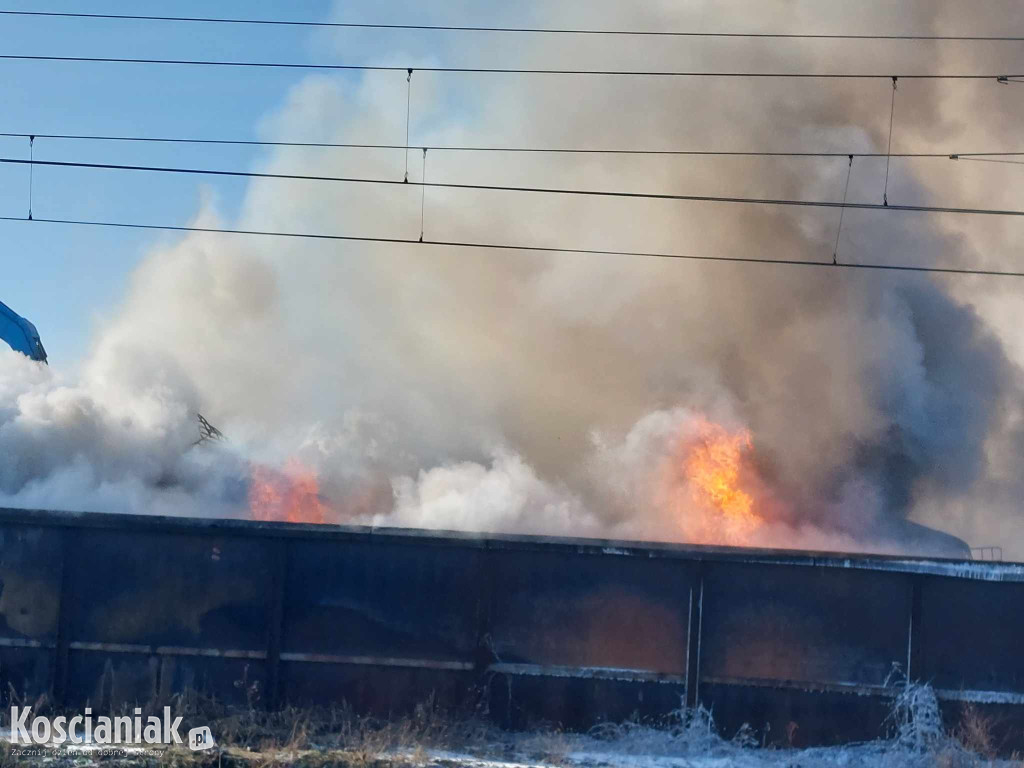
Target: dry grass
551, 747
975, 731
249, 737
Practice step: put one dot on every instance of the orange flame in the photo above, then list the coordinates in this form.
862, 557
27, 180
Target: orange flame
721, 508
291, 495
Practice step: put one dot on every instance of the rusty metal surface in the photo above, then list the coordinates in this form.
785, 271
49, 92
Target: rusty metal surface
782, 622
386, 600
109, 609
554, 609
177, 590
576, 703
797, 717
971, 635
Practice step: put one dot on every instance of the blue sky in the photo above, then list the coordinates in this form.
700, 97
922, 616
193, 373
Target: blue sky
66, 279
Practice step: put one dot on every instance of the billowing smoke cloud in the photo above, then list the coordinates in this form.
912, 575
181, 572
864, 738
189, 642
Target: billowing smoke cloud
87, 446
491, 390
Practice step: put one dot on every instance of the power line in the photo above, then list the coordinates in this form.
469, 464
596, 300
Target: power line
510, 149
537, 249
892, 112
539, 190
521, 30
408, 112
506, 70
990, 160
31, 172
842, 211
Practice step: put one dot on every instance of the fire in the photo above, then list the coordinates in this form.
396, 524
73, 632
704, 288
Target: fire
715, 504
291, 495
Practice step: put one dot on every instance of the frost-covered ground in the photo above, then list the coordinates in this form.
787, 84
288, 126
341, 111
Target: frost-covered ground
916, 738
690, 740
538, 752
858, 756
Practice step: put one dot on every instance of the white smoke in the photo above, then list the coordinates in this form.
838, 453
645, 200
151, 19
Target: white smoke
488, 390
79, 447
507, 495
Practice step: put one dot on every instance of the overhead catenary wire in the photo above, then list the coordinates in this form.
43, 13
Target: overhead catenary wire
523, 189
509, 149
507, 70
409, 107
888, 152
527, 248
31, 172
513, 29
423, 196
842, 212
989, 160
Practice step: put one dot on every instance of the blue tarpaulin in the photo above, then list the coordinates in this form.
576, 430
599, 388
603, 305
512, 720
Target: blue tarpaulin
20, 334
